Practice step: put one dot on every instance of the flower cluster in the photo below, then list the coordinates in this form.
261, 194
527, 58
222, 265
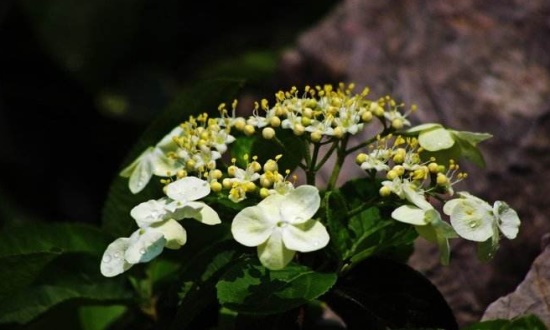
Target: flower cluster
408, 165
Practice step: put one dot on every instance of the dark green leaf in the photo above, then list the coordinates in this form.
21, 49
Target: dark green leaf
71, 277
335, 209
99, 317
26, 249
380, 293
252, 289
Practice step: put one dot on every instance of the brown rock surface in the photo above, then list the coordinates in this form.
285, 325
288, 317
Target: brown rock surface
473, 65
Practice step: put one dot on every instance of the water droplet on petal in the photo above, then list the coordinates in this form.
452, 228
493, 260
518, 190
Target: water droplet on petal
107, 258
142, 251
473, 224
116, 255
299, 219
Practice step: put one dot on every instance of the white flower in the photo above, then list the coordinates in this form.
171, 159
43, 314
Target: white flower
280, 225
474, 219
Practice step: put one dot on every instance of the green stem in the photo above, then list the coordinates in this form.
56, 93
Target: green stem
326, 156
340, 157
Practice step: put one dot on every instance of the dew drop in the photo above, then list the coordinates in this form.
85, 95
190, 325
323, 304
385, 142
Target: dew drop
299, 219
116, 255
473, 224
142, 251
107, 258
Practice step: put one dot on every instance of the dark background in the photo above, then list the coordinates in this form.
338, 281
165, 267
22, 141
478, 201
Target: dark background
80, 80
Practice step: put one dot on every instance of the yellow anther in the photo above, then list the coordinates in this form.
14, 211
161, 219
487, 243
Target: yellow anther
240, 124
271, 166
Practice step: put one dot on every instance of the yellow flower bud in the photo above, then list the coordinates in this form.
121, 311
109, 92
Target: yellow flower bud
249, 130
361, 158
366, 116
385, 191
268, 133
275, 121
316, 136
271, 166
216, 186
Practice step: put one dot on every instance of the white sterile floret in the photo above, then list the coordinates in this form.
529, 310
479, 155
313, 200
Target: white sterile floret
471, 217
280, 225
153, 161
143, 245
507, 219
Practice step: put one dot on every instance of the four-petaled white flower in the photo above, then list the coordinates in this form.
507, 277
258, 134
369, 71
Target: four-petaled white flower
474, 219
281, 225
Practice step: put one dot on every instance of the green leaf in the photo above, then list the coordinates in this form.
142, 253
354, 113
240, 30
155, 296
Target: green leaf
252, 289
203, 259
71, 277
99, 317
26, 249
526, 322
381, 293
204, 97
335, 208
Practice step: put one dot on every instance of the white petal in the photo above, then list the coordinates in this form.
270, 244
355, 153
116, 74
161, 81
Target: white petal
306, 237
145, 245
167, 142
188, 189
142, 173
409, 214
149, 212
300, 204
174, 234
162, 165
207, 215
472, 222
113, 262
436, 139
251, 227
450, 205
416, 197
273, 254
508, 219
